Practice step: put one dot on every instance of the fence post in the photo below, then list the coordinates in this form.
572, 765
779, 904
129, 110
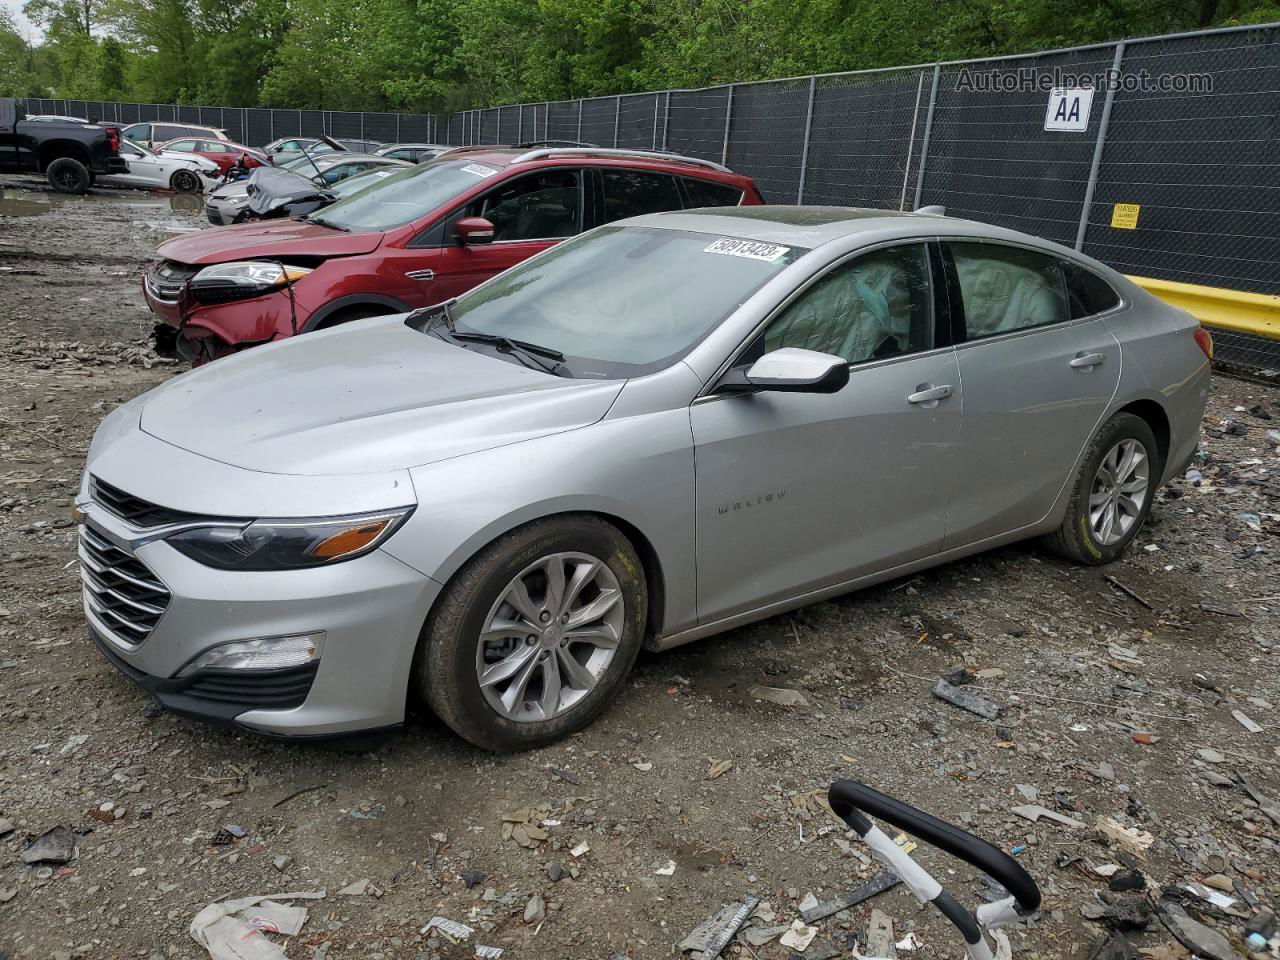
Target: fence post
911, 144
361, 124
271, 123
498, 135
579, 136
728, 118
654, 145
1096, 165
928, 130
666, 119
617, 115
804, 144
546, 120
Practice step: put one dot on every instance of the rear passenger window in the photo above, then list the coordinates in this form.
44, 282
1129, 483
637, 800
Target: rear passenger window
703, 193
1008, 288
1089, 293
630, 193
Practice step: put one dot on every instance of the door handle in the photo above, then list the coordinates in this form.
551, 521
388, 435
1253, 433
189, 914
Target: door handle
1086, 361
928, 395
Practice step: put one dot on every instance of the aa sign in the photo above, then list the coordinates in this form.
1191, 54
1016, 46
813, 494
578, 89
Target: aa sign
1068, 109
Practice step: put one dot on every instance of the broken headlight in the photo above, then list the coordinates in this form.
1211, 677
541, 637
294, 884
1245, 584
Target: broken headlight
288, 544
243, 279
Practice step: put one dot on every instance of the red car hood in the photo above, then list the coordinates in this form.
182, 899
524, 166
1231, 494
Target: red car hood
276, 238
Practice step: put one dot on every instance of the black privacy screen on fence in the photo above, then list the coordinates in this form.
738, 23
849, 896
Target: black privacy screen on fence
253, 126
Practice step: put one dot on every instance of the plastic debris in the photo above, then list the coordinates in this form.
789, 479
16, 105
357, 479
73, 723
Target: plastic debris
488, 953
452, 930
880, 940
1245, 722
666, 869
798, 936
719, 769
1033, 812
1195, 936
1130, 838
873, 887
713, 934
782, 696
580, 849
1195, 477
967, 700
235, 929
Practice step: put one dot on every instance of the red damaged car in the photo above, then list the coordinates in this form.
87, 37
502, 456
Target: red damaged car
417, 238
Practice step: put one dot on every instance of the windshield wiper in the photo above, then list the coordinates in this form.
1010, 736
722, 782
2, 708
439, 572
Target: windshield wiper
532, 353
431, 317
321, 222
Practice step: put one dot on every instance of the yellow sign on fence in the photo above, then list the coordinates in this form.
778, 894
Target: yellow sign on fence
1124, 216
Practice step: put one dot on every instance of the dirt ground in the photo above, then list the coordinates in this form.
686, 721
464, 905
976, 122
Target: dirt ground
1116, 704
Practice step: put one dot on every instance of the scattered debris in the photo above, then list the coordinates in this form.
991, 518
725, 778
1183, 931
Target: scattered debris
234, 929
1128, 591
667, 869
798, 936
359, 889
1195, 936
535, 911
1034, 811
580, 850
524, 826
719, 769
713, 934
881, 943
782, 696
1245, 722
873, 887
452, 930
1132, 839
967, 700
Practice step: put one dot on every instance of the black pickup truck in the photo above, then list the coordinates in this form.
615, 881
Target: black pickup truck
68, 154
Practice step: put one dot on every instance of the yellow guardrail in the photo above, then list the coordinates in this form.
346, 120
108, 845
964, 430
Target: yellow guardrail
1255, 313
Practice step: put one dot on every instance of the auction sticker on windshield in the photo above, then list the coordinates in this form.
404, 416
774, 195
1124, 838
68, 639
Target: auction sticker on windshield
751, 249
479, 170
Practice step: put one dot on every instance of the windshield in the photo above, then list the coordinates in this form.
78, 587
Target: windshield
139, 148
622, 301
408, 195
353, 185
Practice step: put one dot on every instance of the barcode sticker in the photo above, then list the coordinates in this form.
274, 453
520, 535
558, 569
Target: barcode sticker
751, 249
479, 170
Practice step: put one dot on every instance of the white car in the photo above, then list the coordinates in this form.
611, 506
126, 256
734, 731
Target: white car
148, 170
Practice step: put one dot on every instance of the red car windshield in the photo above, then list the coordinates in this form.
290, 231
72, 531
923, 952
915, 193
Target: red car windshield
405, 197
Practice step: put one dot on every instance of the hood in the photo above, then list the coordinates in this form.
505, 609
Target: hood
234, 188
367, 397
269, 189
275, 239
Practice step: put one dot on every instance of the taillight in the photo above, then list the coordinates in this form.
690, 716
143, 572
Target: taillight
1204, 341
113, 139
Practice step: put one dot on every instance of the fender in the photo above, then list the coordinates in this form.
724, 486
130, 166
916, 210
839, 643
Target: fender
353, 300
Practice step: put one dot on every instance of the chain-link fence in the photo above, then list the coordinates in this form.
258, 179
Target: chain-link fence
253, 126
1182, 134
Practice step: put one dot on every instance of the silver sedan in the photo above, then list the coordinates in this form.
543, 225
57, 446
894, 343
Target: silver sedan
659, 430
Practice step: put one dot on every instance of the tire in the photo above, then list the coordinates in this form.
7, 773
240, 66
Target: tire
451, 654
185, 181
67, 175
1084, 535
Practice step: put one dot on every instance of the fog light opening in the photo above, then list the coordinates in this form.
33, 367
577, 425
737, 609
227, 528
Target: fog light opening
265, 653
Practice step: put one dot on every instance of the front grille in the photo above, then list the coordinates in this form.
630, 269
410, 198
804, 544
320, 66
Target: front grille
166, 279
119, 588
268, 690
134, 510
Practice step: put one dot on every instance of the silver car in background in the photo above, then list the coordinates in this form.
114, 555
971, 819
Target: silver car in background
656, 431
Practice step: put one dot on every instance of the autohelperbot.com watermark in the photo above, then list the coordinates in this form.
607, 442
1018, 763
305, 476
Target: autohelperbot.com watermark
1041, 80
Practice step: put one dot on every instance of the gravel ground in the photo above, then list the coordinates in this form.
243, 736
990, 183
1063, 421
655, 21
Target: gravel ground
1118, 687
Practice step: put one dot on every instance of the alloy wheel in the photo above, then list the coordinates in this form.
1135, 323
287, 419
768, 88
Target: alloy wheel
1119, 492
550, 637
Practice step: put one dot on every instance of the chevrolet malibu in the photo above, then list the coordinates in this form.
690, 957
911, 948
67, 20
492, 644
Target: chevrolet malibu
659, 430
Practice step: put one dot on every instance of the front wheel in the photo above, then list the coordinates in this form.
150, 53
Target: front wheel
184, 181
535, 635
67, 175
1112, 494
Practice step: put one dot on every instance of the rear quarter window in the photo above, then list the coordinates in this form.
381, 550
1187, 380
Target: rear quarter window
704, 193
630, 193
1087, 292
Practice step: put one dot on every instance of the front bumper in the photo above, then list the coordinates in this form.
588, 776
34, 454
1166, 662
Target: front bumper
371, 610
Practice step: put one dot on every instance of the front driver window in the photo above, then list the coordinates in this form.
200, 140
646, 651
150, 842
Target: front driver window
1007, 288
878, 305
542, 206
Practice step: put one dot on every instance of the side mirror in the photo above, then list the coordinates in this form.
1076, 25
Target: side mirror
792, 370
474, 230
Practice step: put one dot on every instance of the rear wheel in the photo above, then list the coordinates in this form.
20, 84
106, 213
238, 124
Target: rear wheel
68, 176
535, 635
1112, 494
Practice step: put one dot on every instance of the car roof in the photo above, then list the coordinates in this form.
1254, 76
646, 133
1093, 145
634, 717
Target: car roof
504, 156
812, 226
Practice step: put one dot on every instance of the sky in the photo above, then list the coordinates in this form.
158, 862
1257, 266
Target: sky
24, 25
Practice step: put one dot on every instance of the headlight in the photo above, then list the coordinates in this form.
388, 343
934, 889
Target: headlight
269, 653
242, 279
238, 199
288, 544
